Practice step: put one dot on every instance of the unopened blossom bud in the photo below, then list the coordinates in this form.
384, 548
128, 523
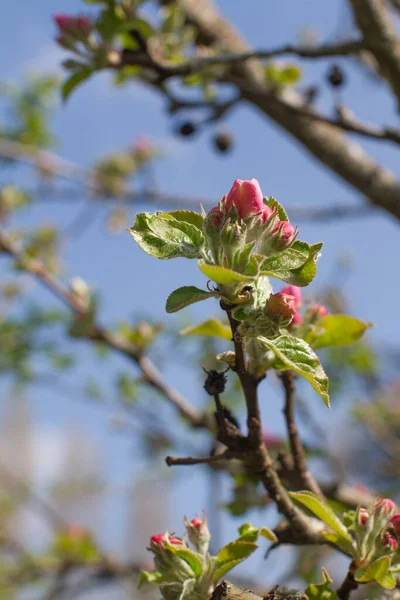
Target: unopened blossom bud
390, 542
294, 291
73, 27
159, 540
233, 238
281, 307
283, 235
266, 213
362, 516
198, 533
395, 521
246, 196
211, 228
386, 508
318, 311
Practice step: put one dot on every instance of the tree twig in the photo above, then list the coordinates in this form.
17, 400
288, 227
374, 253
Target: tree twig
306, 480
349, 584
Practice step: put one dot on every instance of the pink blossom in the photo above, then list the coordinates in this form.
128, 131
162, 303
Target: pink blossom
196, 522
364, 516
395, 521
318, 311
390, 542
386, 508
294, 291
215, 217
72, 25
284, 233
297, 319
281, 305
246, 196
266, 213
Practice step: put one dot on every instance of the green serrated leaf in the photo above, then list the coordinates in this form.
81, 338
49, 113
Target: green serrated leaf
164, 237
378, 571
296, 355
188, 216
210, 328
149, 577
222, 275
184, 296
268, 534
344, 545
321, 591
297, 265
273, 203
231, 555
73, 81
248, 532
336, 330
322, 511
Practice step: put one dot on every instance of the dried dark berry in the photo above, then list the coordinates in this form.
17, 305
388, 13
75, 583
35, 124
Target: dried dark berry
186, 129
223, 142
215, 382
336, 76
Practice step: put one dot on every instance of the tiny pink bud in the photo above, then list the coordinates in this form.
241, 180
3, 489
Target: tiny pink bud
198, 532
196, 522
266, 213
386, 508
246, 196
390, 542
73, 26
284, 234
62, 21
318, 311
281, 306
294, 291
395, 521
160, 538
215, 215
363, 515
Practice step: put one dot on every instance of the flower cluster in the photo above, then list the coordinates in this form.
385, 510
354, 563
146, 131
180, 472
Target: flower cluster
377, 531
244, 217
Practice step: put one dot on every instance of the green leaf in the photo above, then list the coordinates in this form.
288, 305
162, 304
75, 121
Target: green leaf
149, 577
296, 265
75, 79
231, 555
336, 330
191, 558
222, 275
273, 203
184, 296
210, 328
296, 355
378, 571
290, 74
188, 216
323, 512
321, 591
248, 533
268, 534
165, 237
344, 545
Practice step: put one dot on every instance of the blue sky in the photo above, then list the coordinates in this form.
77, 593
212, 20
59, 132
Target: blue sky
99, 119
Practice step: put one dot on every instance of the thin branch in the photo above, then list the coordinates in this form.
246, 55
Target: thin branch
306, 480
197, 64
150, 373
173, 460
380, 37
349, 584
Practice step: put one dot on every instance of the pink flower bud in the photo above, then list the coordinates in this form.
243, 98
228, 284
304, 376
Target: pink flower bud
246, 196
386, 508
198, 533
281, 306
318, 311
395, 521
160, 538
215, 217
283, 234
75, 531
266, 213
73, 26
363, 516
294, 291
196, 522
390, 542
